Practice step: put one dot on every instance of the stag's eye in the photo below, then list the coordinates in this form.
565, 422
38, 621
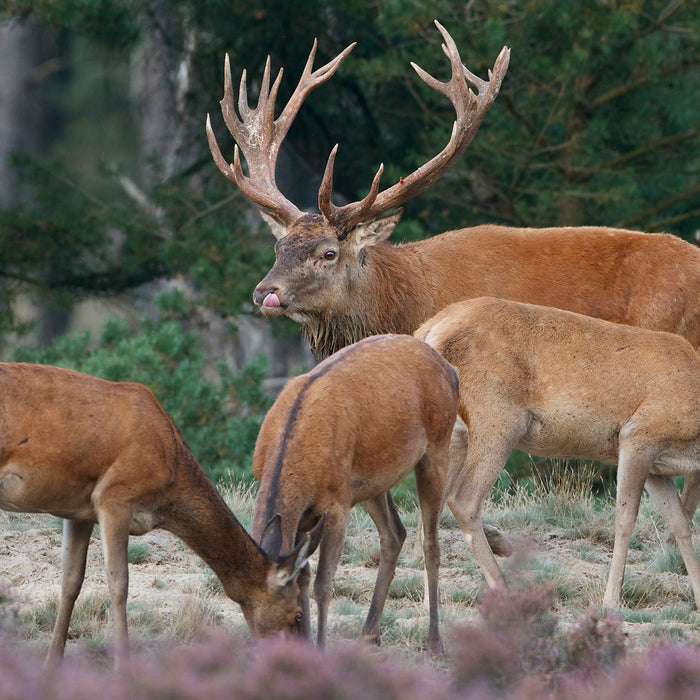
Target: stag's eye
299, 616
329, 255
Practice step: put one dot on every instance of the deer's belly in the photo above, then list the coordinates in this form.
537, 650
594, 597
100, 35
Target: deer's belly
572, 436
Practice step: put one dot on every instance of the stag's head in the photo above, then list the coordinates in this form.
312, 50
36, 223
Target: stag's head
319, 256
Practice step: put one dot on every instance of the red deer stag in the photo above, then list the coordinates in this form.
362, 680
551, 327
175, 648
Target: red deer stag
92, 451
338, 277
559, 384
347, 432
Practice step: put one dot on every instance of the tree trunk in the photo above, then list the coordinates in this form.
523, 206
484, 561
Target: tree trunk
25, 61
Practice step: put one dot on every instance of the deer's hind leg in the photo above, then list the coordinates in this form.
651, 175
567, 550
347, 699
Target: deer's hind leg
76, 539
665, 497
469, 489
391, 538
634, 462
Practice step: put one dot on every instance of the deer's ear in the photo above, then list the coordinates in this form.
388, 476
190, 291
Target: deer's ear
279, 230
289, 566
375, 231
271, 538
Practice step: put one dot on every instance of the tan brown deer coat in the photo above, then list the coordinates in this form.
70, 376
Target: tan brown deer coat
92, 451
558, 384
347, 432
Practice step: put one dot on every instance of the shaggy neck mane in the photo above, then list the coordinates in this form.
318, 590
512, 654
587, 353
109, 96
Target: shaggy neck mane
381, 299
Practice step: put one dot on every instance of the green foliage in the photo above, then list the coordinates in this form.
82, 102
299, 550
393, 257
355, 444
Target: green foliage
110, 22
596, 123
219, 418
61, 245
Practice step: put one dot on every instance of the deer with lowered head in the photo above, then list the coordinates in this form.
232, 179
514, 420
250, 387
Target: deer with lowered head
346, 433
92, 451
336, 274
559, 384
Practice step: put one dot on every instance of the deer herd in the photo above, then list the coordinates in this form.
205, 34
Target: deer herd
441, 357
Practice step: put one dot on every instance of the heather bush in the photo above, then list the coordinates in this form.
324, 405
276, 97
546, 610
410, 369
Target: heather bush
225, 667
9, 611
664, 672
518, 639
289, 670
20, 673
594, 643
511, 639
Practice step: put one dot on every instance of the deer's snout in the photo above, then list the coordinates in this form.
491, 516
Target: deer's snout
267, 298
259, 295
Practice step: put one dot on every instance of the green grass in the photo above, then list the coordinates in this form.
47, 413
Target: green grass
345, 587
678, 612
138, 552
40, 618
240, 498
409, 587
465, 596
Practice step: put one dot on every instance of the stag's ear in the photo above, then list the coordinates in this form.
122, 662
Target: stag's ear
375, 231
279, 230
290, 565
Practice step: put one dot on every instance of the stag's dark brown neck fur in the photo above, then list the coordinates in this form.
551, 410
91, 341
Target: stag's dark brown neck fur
405, 302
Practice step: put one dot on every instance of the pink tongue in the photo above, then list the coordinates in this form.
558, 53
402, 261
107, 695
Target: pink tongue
271, 301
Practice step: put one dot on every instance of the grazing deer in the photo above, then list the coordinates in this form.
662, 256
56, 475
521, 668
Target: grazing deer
93, 451
558, 384
347, 432
336, 274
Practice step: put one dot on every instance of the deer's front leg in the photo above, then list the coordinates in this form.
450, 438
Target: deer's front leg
329, 556
391, 538
114, 526
76, 539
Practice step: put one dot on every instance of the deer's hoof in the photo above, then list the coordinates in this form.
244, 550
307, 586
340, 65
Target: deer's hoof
435, 647
373, 639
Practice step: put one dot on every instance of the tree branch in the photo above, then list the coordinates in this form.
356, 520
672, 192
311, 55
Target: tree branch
655, 208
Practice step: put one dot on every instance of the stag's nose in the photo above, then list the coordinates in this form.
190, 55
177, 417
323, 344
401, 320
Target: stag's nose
266, 297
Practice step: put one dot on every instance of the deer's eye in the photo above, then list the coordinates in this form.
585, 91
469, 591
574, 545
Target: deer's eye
329, 255
299, 616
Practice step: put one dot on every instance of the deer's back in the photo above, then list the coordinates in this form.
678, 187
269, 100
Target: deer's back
362, 412
61, 431
648, 280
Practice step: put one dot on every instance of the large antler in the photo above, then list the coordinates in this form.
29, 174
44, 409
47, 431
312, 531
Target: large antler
259, 135
470, 109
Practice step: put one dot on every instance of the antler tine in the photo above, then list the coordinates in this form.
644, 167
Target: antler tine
339, 216
219, 159
470, 111
259, 135
307, 82
243, 107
